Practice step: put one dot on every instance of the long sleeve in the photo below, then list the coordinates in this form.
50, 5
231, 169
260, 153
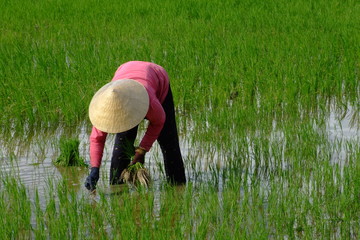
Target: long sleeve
156, 117
156, 81
97, 143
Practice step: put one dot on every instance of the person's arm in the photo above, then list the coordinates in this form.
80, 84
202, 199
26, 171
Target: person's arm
156, 117
97, 143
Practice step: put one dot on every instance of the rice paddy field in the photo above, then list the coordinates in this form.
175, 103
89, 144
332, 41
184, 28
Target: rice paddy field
267, 97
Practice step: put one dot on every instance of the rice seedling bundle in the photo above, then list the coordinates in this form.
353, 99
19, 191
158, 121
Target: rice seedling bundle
136, 175
69, 153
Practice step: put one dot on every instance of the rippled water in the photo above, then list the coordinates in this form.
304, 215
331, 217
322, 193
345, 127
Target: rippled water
32, 162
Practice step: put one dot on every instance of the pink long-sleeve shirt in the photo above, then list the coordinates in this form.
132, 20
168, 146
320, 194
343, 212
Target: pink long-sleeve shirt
156, 81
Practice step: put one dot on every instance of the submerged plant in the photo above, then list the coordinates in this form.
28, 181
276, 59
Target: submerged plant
69, 153
136, 174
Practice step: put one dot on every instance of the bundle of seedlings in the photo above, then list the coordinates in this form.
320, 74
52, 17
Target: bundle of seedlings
136, 175
69, 153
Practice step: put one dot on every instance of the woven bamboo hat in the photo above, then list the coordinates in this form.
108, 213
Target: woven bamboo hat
119, 106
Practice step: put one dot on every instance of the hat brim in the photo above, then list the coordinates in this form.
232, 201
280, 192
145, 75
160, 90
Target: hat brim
119, 106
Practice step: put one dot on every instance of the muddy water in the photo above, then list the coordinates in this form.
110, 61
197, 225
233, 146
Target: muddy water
32, 161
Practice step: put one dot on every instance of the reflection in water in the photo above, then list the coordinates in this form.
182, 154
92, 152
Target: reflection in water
345, 126
73, 176
32, 161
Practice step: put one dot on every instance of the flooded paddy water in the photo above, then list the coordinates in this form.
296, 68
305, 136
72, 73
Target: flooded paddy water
267, 95
249, 181
31, 162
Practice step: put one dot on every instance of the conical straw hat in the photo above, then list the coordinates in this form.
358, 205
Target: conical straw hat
119, 106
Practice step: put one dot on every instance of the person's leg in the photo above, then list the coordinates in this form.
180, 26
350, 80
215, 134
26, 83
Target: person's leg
169, 143
122, 153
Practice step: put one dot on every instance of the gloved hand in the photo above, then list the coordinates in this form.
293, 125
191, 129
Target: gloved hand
92, 179
139, 156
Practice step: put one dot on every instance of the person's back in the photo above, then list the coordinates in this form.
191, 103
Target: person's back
154, 78
152, 84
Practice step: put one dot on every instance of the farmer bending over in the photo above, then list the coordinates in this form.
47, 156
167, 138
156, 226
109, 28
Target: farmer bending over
138, 90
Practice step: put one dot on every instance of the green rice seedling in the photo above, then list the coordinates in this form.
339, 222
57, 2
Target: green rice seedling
15, 214
253, 82
39, 231
136, 175
69, 153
